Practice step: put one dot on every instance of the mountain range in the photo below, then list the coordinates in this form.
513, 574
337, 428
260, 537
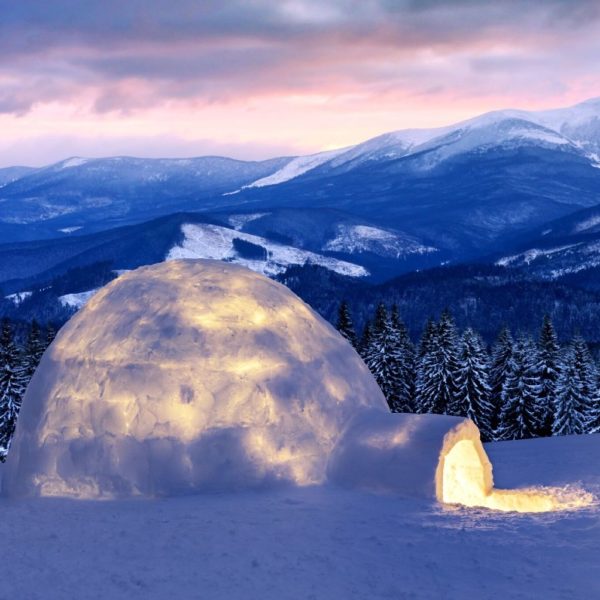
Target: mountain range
516, 188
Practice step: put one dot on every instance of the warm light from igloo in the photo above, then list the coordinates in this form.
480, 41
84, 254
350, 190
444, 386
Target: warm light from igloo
465, 482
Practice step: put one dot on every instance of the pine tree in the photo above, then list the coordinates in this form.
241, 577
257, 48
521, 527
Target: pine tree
499, 370
576, 391
381, 358
521, 416
427, 370
428, 338
403, 354
473, 398
570, 401
50, 334
345, 325
11, 387
365, 339
34, 348
437, 370
592, 424
448, 343
380, 322
548, 366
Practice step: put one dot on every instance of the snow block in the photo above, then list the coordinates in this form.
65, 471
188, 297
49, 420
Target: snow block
406, 454
187, 376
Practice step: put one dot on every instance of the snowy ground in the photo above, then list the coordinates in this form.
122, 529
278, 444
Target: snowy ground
313, 543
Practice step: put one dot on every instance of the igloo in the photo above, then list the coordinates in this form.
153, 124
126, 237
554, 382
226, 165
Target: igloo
437, 457
183, 376
201, 375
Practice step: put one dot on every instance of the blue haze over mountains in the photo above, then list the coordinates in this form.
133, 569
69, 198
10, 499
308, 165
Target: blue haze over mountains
516, 189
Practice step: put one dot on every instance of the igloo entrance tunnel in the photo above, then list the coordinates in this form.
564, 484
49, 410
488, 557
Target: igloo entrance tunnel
199, 375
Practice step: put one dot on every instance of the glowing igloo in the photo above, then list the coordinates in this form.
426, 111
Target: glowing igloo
196, 375
183, 376
437, 457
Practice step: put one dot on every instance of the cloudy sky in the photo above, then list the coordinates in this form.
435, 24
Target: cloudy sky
257, 78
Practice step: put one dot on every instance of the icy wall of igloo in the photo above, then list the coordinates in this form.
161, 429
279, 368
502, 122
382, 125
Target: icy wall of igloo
183, 376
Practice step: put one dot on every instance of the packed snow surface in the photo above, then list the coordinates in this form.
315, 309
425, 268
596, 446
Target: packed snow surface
183, 376
321, 543
216, 242
432, 456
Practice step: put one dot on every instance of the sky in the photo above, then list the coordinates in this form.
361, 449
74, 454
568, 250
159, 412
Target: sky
254, 79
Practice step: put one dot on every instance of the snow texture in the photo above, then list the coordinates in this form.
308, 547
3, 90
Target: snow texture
185, 376
314, 543
530, 255
296, 167
18, 297
215, 242
78, 299
76, 161
70, 229
432, 456
402, 453
365, 238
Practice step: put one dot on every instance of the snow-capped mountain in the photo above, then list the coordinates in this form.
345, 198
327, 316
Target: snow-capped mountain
466, 190
95, 194
576, 128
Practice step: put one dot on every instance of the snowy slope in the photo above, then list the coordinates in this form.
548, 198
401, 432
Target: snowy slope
296, 167
313, 543
78, 299
556, 262
355, 239
576, 128
213, 241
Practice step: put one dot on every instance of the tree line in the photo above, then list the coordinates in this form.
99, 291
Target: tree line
18, 363
521, 388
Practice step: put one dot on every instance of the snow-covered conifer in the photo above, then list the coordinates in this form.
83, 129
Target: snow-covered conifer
438, 367
499, 369
32, 353
365, 339
50, 334
428, 337
381, 358
521, 415
344, 324
592, 424
11, 386
403, 353
576, 391
473, 398
548, 367
570, 400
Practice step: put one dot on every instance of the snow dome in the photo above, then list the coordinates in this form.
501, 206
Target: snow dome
183, 376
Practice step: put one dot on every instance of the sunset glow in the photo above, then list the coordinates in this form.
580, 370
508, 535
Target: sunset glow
258, 79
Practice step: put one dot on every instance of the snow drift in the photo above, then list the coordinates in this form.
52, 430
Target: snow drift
183, 376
